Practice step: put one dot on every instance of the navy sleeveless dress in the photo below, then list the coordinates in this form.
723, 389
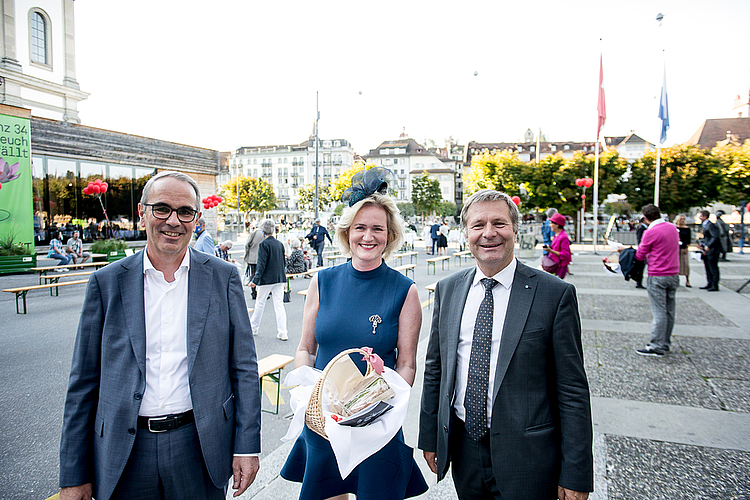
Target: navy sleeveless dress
347, 300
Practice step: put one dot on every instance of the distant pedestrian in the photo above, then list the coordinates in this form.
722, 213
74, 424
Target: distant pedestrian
56, 250
559, 251
204, 243
661, 244
317, 238
75, 249
684, 232
443, 239
434, 234
222, 251
710, 245
251, 256
724, 237
269, 278
642, 226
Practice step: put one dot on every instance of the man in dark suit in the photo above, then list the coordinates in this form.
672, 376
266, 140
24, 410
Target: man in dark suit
163, 399
317, 237
711, 248
434, 234
270, 276
505, 400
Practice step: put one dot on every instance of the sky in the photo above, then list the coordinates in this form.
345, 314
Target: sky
248, 72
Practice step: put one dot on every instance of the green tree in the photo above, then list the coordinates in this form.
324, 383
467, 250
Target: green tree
307, 193
734, 161
406, 209
446, 209
255, 195
425, 193
689, 178
502, 171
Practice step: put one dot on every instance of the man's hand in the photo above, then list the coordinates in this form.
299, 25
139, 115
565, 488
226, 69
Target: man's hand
81, 492
244, 470
566, 494
431, 458
251, 285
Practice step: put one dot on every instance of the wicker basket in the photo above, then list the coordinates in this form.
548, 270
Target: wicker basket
314, 417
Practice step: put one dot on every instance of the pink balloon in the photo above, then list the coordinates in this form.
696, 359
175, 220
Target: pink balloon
583, 196
516, 200
588, 182
85, 190
105, 184
103, 188
91, 184
97, 188
579, 182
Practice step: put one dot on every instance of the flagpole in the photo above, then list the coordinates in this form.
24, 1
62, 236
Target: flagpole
657, 175
601, 111
664, 117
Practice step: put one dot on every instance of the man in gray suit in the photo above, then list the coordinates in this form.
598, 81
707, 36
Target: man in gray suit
505, 397
164, 398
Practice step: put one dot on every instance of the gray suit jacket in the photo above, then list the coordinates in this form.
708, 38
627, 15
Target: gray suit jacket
107, 378
541, 431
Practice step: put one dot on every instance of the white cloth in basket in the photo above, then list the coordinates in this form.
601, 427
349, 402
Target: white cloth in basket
351, 445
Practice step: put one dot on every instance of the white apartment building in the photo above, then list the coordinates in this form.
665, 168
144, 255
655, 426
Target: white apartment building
408, 159
289, 167
631, 147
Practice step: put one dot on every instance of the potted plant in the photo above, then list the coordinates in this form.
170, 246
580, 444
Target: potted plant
112, 248
15, 257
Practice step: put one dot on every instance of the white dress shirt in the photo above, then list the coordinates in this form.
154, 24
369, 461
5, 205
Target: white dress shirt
167, 386
500, 296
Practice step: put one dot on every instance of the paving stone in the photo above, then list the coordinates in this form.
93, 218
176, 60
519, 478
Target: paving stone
724, 358
689, 310
734, 394
641, 469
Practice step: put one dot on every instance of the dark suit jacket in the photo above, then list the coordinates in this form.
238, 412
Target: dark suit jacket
321, 233
711, 240
107, 378
541, 431
271, 262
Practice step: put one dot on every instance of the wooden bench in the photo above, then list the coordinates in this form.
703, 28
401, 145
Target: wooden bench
303, 293
333, 258
44, 270
400, 256
55, 278
430, 290
443, 259
406, 268
271, 367
466, 254
21, 291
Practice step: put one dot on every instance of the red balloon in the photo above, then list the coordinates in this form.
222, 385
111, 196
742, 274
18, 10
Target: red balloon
579, 182
103, 188
97, 188
91, 184
516, 200
205, 205
105, 184
588, 182
583, 196
220, 199
85, 190
98, 181
215, 203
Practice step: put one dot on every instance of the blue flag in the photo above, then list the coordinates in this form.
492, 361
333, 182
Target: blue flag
664, 109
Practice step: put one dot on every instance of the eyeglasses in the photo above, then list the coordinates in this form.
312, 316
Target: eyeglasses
164, 212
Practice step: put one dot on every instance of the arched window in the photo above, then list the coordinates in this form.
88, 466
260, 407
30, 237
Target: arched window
39, 39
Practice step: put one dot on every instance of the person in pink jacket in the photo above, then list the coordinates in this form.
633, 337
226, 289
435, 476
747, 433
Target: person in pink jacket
661, 244
560, 249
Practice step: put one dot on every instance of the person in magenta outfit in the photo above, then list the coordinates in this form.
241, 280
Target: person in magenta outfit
560, 249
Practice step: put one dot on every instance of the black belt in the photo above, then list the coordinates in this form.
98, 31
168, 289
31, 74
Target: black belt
166, 423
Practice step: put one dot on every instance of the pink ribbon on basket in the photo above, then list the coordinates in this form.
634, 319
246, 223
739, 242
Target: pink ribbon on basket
374, 359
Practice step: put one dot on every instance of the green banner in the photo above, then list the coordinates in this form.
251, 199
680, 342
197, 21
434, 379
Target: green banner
16, 208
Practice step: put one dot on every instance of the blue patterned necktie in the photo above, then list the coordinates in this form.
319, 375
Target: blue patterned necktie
479, 366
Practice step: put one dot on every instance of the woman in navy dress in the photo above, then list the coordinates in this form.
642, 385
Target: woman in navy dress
340, 302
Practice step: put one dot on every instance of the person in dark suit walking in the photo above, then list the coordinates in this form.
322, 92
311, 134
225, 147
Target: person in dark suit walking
505, 400
711, 248
270, 277
163, 399
317, 237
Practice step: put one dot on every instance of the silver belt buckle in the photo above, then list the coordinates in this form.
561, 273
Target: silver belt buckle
156, 419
